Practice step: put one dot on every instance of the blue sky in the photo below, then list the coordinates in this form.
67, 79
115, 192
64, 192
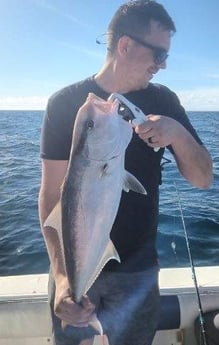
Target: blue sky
48, 44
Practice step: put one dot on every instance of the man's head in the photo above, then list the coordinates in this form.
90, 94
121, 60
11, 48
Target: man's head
138, 41
134, 18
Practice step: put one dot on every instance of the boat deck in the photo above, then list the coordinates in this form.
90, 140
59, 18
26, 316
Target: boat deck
25, 317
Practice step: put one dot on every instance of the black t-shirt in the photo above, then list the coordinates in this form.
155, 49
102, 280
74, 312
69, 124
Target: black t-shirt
135, 226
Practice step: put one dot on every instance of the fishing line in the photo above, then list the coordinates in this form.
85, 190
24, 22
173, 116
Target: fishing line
201, 316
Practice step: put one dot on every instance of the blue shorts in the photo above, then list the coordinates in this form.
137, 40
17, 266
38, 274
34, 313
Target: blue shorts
127, 305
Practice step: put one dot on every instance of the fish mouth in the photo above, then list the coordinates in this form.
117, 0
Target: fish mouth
103, 105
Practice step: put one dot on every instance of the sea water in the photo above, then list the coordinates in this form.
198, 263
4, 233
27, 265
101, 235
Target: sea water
22, 248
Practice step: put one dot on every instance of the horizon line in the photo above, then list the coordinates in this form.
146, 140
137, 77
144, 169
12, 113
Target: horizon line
193, 110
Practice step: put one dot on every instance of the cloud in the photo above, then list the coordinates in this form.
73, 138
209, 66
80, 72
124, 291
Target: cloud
46, 5
200, 99
192, 100
212, 75
99, 55
23, 103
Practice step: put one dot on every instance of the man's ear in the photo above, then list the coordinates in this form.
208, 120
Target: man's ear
123, 45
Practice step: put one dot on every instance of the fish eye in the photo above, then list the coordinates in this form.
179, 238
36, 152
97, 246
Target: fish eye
90, 124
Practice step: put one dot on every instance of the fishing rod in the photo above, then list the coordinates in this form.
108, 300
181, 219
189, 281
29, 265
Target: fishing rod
201, 314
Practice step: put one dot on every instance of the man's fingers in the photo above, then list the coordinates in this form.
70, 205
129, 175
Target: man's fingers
86, 303
75, 314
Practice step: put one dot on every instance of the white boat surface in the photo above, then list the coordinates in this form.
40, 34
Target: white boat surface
25, 315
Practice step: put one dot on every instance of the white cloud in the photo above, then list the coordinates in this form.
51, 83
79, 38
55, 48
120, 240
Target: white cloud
192, 100
212, 75
84, 50
23, 103
57, 11
200, 99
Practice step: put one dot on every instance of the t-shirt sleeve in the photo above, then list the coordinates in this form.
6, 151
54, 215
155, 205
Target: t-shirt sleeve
56, 133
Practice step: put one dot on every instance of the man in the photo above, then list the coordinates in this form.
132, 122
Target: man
125, 296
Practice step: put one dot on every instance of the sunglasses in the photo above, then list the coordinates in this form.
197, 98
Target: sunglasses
160, 54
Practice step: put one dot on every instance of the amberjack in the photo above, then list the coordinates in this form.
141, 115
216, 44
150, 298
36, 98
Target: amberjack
91, 192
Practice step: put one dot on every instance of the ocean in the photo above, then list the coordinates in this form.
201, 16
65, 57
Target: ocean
22, 248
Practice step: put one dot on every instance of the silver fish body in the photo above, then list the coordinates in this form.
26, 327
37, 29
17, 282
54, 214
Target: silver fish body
91, 192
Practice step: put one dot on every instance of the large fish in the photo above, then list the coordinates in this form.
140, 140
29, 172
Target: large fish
91, 192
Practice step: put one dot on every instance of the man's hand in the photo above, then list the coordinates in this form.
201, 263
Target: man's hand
72, 313
158, 130
193, 160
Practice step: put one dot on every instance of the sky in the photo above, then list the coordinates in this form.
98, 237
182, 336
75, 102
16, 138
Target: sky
48, 44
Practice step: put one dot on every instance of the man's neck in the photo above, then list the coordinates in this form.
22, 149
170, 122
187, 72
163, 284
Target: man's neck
107, 79
114, 78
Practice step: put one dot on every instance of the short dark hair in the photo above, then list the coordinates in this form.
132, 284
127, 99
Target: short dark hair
134, 17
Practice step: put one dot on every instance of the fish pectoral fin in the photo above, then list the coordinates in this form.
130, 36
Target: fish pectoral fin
131, 183
54, 218
109, 253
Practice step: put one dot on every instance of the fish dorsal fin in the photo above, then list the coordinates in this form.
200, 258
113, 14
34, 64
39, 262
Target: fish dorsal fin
131, 183
54, 220
110, 253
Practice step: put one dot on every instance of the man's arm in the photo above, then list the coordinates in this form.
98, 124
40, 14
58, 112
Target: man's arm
193, 160
53, 173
